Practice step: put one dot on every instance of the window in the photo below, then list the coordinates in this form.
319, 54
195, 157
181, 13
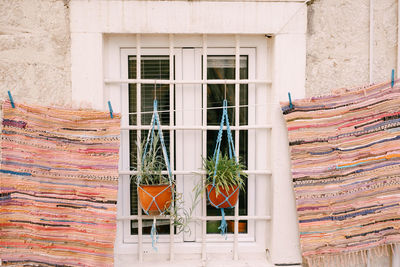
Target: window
189, 83
101, 30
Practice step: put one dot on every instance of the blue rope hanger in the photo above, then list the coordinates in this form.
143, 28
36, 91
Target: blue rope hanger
155, 123
216, 155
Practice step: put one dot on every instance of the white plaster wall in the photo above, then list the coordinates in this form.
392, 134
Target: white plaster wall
385, 44
35, 51
338, 43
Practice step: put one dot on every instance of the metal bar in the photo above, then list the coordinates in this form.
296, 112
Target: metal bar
209, 108
237, 122
171, 135
204, 152
218, 218
260, 172
172, 81
139, 123
200, 128
198, 218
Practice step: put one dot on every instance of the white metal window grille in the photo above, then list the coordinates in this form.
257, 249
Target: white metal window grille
244, 72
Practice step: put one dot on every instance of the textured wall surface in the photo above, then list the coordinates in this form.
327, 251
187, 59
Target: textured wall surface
338, 43
35, 51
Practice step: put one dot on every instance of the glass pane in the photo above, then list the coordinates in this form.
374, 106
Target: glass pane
243, 98
155, 68
223, 67
132, 90
162, 227
152, 67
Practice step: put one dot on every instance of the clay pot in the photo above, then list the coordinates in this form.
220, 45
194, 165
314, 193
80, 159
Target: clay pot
242, 226
217, 200
146, 194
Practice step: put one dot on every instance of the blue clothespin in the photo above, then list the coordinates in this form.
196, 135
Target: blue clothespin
111, 110
290, 100
11, 99
392, 83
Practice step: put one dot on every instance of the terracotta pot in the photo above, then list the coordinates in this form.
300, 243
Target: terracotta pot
242, 226
146, 194
217, 200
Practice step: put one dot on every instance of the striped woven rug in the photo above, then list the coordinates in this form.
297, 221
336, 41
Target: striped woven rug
58, 186
345, 153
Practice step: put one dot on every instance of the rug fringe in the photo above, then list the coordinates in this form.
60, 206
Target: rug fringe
353, 258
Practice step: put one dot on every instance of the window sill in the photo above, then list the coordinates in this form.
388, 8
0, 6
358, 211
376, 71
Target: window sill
250, 254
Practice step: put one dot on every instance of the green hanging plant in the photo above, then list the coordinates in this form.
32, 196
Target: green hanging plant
150, 172
229, 173
152, 164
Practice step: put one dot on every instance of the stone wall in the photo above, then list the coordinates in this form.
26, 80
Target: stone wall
35, 51
338, 44
35, 41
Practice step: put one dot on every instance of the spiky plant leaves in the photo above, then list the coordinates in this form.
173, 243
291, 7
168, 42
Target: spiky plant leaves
229, 173
150, 171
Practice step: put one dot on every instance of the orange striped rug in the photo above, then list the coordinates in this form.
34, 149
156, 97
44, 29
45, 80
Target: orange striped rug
345, 153
58, 186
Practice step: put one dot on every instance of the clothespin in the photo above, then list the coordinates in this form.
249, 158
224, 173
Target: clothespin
11, 99
110, 108
392, 83
290, 100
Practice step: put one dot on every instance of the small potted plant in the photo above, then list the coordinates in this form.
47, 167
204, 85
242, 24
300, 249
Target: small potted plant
156, 191
224, 180
154, 188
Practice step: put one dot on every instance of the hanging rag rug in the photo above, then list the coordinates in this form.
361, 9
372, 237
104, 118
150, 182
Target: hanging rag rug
345, 153
58, 186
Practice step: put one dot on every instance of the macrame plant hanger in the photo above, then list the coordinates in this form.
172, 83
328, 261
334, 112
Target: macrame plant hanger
155, 123
216, 155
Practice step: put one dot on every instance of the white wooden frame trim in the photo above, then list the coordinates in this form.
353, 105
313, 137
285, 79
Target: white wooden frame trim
122, 172
171, 133
171, 127
250, 235
140, 239
200, 128
199, 218
152, 81
139, 133
237, 117
204, 148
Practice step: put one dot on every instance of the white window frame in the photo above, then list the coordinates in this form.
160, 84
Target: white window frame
188, 186
95, 23
258, 43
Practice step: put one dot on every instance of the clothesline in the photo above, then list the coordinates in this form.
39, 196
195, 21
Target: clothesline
201, 109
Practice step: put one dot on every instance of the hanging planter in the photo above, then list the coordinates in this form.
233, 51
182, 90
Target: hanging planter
155, 189
225, 173
155, 199
220, 201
